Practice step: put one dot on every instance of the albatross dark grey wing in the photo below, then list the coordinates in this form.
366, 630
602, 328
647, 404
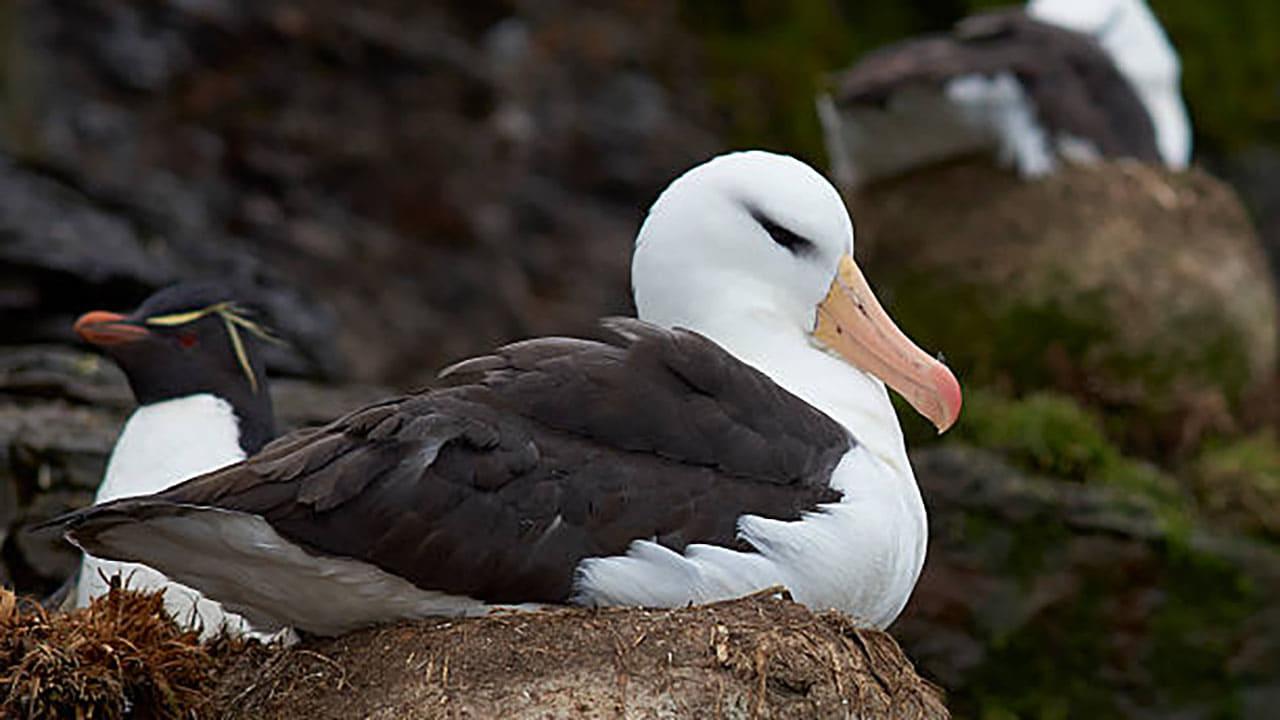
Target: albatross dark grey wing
497, 484
1072, 84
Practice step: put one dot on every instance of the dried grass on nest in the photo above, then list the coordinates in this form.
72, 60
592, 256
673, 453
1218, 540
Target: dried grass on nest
758, 657
121, 656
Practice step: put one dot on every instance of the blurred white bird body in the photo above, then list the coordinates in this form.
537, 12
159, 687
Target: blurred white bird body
1001, 84
1132, 35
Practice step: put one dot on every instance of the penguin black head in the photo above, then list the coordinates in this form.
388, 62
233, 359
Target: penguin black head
189, 339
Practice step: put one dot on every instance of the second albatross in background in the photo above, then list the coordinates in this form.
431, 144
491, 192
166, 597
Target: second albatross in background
1074, 79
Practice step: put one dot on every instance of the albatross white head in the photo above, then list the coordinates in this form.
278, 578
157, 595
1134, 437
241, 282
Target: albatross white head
755, 251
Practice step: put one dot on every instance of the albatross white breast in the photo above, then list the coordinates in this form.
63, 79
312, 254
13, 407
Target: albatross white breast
736, 436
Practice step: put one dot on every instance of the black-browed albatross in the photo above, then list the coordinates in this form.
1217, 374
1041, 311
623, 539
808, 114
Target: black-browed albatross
191, 356
738, 435
1074, 79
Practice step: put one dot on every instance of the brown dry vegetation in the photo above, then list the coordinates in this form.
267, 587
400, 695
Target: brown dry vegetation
121, 656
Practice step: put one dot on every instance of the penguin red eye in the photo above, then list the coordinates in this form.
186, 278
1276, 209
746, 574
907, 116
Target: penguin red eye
188, 340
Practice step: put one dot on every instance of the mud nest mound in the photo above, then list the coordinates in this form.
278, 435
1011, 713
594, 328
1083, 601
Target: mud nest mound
120, 657
759, 657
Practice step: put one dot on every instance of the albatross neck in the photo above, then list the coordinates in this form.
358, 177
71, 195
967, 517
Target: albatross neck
858, 401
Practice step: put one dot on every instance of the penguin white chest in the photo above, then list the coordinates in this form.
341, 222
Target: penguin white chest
166, 442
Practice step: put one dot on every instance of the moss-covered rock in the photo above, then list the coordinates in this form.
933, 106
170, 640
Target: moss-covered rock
1050, 599
1239, 482
1142, 292
1044, 432
1053, 435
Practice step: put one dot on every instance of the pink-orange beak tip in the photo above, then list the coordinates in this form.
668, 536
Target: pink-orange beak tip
949, 396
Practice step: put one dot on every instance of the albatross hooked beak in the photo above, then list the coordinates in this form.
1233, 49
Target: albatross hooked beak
852, 323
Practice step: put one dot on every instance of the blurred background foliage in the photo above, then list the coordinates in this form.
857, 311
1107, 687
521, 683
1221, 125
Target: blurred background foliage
769, 58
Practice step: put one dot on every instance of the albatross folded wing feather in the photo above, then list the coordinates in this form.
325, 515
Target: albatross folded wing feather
497, 484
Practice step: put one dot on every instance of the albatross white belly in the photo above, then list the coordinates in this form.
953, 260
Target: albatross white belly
861, 556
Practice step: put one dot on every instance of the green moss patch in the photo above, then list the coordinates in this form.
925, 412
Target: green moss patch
1080, 603
1044, 432
1065, 659
1052, 434
993, 338
1239, 482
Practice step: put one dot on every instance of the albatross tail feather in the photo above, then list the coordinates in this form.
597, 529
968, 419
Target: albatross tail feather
239, 560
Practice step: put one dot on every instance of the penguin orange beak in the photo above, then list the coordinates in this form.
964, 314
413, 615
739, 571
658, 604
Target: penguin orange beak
104, 328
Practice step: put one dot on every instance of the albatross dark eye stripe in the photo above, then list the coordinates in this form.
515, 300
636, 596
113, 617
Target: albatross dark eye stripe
793, 242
